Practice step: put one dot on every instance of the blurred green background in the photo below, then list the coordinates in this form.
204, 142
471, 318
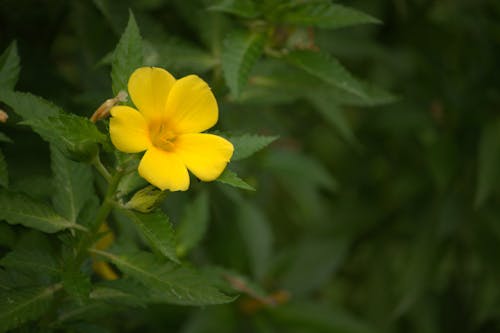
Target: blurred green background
387, 220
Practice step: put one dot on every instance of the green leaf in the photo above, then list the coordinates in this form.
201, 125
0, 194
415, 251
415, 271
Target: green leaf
5, 138
248, 144
157, 230
73, 185
257, 235
230, 178
242, 8
28, 106
77, 284
127, 57
326, 68
18, 208
323, 15
20, 306
9, 67
488, 162
240, 52
30, 260
326, 106
4, 174
193, 224
179, 55
75, 136
168, 282
7, 236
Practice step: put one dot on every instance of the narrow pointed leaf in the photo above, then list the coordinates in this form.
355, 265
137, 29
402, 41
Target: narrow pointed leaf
246, 145
20, 306
258, 238
323, 15
328, 69
242, 8
72, 185
127, 56
75, 136
167, 282
240, 52
194, 224
18, 208
9, 67
28, 106
157, 230
230, 178
38, 261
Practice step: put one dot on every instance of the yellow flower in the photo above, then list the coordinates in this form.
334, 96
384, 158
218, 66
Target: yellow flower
167, 125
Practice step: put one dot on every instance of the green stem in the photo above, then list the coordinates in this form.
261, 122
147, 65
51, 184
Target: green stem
107, 205
101, 168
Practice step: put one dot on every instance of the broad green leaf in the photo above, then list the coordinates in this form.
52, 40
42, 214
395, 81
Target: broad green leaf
333, 113
240, 52
326, 68
28, 106
157, 230
30, 260
167, 282
248, 144
4, 175
488, 162
323, 15
127, 56
75, 136
20, 306
9, 67
193, 224
258, 237
18, 208
243, 8
73, 185
230, 178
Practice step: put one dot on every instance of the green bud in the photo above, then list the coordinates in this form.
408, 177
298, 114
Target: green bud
146, 200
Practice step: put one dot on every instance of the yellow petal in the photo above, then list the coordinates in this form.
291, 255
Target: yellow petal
205, 155
104, 270
191, 106
128, 130
164, 170
149, 88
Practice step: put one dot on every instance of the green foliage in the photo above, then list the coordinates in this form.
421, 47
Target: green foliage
28, 106
327, 69
18, 208
157, 230
75, 136
72, 185
375, 211
4, 176
127, 56
246, 145
241, 51
21, 306
322, 14
243, 8
231, 178
9, 67
168, 283
193, 225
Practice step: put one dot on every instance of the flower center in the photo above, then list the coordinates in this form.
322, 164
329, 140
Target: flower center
162, 136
